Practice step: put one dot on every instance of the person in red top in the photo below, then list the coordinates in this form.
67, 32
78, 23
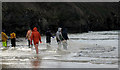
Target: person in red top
36, 37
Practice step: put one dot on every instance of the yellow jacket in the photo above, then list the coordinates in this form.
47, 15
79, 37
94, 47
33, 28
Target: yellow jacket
4, 37
13, 35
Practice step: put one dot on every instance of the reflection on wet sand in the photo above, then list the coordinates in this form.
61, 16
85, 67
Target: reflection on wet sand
36, 62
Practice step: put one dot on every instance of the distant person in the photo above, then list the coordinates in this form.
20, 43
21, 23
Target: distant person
36, 37
48, 38
28, 35
13, 39
59, 38
65, 38
4, 38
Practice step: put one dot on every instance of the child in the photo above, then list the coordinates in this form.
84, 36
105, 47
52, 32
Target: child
13, 39
4, 38
36, 37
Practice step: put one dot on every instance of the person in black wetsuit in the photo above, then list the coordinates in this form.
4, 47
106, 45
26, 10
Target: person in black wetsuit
48, 38
65, 38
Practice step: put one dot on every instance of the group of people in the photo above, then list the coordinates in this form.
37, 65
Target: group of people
5, 38
34, 35
62, 37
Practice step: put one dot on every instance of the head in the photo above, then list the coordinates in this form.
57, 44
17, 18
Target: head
59, 29
48, 29
12, 31
35, 29
29, 28
3, 30
64, 30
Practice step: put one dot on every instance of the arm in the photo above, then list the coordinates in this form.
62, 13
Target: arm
61, 35
27, 35
51, 35
40, 38
15, 35
57, 36
5, 36
31, 38
67, 36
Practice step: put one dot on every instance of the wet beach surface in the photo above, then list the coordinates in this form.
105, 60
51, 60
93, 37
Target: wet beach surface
87, 50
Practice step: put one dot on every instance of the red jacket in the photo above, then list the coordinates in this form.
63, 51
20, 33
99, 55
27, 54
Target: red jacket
35, 36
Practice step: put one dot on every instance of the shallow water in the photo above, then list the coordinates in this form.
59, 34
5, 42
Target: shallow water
87, 50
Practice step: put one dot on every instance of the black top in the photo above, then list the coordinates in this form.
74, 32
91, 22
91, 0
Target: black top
64, 34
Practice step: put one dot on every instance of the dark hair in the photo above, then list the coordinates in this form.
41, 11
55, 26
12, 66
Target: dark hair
3, 30
64, 30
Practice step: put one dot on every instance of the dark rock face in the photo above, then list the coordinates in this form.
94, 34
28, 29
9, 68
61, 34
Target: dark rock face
76, 17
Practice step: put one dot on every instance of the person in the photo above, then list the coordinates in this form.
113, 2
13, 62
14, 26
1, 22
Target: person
48, 38
65, 38
59, 38
13, 39
4, 38
36, 37
28, 35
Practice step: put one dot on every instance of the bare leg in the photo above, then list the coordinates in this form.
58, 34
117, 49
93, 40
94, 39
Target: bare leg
65, 45
59, 45
36, 47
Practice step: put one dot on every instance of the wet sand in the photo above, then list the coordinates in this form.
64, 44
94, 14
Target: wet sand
80, 54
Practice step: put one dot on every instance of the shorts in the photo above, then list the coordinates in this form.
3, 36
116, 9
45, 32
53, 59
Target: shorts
4, 44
